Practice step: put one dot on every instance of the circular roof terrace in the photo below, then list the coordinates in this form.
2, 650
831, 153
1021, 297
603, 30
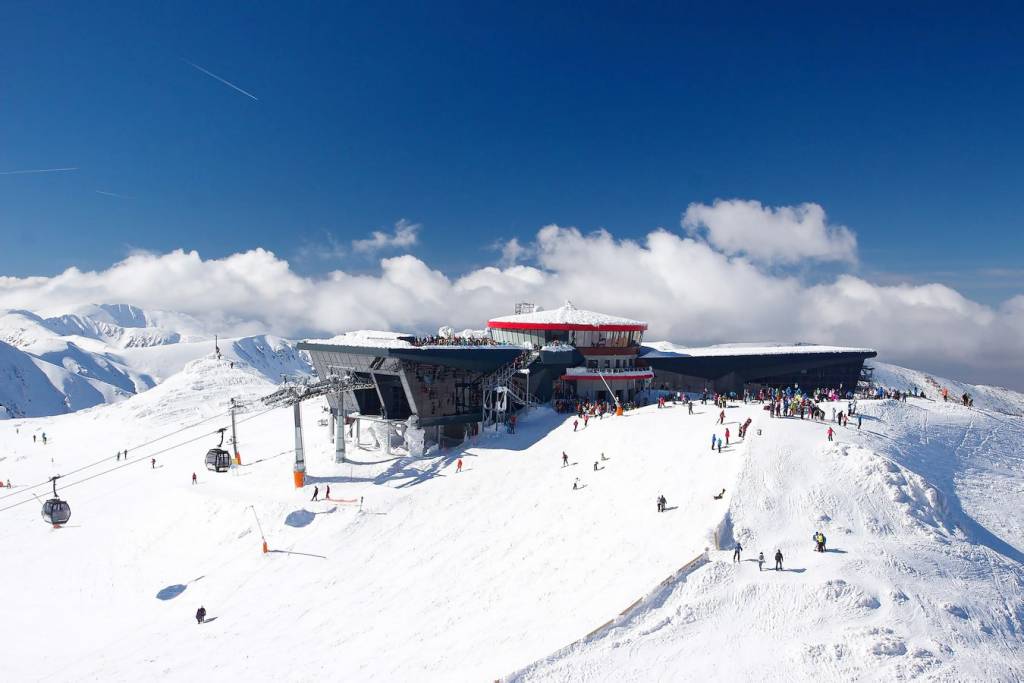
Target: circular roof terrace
568, 317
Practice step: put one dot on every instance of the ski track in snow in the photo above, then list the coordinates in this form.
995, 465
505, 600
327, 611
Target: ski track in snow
493, 571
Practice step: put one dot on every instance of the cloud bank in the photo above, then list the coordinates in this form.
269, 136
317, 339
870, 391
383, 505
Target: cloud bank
692, 289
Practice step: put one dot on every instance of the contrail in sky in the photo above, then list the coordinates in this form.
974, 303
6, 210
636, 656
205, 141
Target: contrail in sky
39, 170
227, 83
110, 194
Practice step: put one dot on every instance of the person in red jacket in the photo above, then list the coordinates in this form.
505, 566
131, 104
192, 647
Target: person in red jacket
726, 436
830, 432
458, 466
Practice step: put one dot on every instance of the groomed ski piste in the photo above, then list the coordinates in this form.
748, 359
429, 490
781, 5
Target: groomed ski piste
502, 570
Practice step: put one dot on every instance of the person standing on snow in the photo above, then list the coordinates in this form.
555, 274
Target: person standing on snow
719, 446
576, 484
200, 615
830, 433
713, 439
726, 436
316, 493
194, 479
152, 463
721, 418
458, 466
565, 459
575, 424
858, 421
736, 552
327, 494
778, 560
760, 561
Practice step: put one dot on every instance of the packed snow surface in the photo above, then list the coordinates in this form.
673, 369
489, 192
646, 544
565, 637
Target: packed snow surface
490, 572
567, 315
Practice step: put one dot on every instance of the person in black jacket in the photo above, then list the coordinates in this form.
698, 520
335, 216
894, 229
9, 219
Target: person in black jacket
200, 615
778, 560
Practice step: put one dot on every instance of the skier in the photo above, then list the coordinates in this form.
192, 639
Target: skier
576, 484
602, 457
119, 456
719, 496
721, 418
713, 439
44, 438
736, 552
565, 459
830, 433
726, 436
858, 422
778, 560
575, 424
689, 407
760, 561
327, 495
195, 480
33, 438
458, 466
200, 615
595, 466
316, 492
152, 463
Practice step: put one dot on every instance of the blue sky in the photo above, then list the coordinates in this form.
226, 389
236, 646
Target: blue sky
485, 121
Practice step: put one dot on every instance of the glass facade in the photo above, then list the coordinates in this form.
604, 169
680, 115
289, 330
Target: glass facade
578, 338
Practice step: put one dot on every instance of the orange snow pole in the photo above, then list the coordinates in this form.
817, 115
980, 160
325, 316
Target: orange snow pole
300, 479
618, 410
238, 458
265, 550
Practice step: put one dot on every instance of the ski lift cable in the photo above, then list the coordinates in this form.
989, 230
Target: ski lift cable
134, 462
25, 489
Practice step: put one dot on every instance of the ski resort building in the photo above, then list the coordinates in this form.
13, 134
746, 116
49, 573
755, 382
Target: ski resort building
449, 385
605, 366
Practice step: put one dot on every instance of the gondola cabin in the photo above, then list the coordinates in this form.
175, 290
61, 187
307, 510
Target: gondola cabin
218, 460
56, 511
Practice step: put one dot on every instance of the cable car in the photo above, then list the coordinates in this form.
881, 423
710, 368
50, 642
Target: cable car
56, 511
218, 459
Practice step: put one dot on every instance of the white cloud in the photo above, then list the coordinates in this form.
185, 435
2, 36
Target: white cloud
403, 236
687, 288
782, 235
512, 252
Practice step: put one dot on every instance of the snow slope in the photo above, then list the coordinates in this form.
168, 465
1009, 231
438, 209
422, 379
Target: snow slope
480, 574
923, 578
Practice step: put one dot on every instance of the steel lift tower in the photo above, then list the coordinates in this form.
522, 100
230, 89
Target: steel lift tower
297, 390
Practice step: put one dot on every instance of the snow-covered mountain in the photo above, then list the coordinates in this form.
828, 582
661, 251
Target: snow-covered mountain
414, 571
104, 353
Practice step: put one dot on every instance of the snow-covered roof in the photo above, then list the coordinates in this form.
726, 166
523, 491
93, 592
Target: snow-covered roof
566, 317
372, 338
751, 349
